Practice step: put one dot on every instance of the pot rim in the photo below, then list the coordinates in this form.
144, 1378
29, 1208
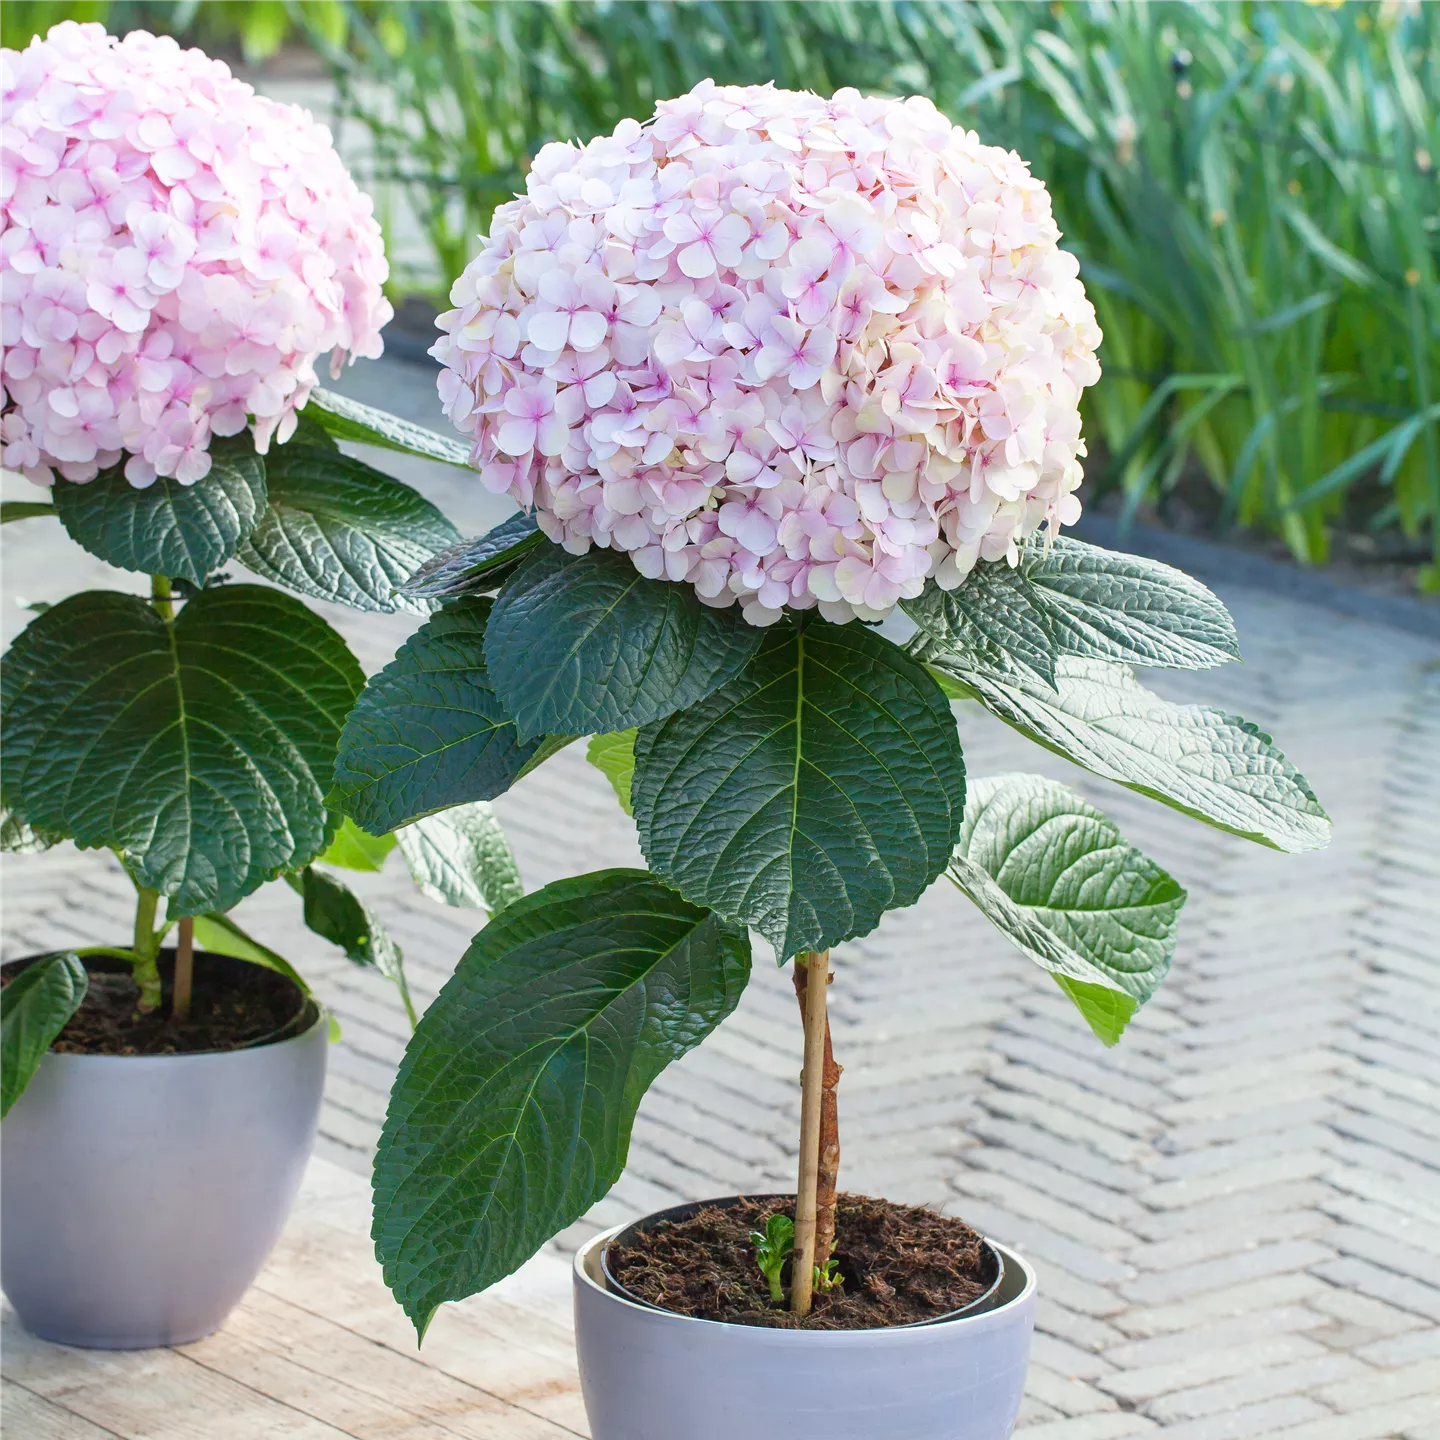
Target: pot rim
322, 1017
70, 1057
983, 1301
903, 1333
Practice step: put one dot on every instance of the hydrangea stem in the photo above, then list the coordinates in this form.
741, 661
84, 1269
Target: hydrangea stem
812, 1084
147, 946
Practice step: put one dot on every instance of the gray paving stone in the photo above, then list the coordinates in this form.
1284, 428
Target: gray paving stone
1421, 1378
1275, 1290
1105, 1425
1244, 1233
1377, 1422
1403, 1349
1268, 1382
1283, 1257
1368, 1279
1202, 1367
1068, 1396
1263, 1419
1223, 1335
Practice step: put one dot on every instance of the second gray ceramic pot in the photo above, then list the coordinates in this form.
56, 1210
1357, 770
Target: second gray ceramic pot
650, 1374
141, 1194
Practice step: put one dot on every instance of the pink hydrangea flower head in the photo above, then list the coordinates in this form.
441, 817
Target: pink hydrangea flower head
797, 352
176, 252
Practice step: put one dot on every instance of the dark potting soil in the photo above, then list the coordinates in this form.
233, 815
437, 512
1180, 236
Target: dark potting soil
233, 1005
899, 1265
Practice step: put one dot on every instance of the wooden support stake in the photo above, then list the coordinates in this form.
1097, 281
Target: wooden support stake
812, 1089
184, 971
827, 1185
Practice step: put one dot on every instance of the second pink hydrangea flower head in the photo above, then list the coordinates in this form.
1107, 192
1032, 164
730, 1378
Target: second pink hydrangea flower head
177, 251
792, 351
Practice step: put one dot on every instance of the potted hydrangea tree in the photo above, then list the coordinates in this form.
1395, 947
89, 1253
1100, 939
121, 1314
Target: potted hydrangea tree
788, 390
177, 251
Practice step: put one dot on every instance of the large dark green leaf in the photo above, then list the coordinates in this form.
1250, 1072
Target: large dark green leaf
461, 857
429, 731
512, 1111
817, 790
340, 530
1215, 767
1111, 606
1077, 599
183, 531
991, 618
475, 567
199, 752
347, 419
585, 642
34, 1007
1055, 877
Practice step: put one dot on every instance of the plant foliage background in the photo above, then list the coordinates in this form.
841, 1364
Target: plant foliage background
1252, 189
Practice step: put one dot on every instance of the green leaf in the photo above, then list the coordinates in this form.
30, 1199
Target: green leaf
991, 618
24, 510
310, 432
474, 567
461, 857
183, 531
353, 849
199, 752
1077, 599
340, 530
335, 913
817, 790
585, 642
512, 1111
348, 419
34, 1007
614, 756
18, 838
1111, 606
429, 732
221, 935
1055, 877
1212, 766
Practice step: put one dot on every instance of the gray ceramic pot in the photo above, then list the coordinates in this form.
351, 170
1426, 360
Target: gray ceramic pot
652, 1375
141, 1194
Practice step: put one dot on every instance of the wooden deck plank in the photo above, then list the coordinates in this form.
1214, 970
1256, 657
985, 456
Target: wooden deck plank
28, 1416
150, 1394
515, 1342
319, 1350
371, 1391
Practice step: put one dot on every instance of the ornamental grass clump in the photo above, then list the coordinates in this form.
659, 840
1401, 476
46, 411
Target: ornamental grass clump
766, 368
177, 254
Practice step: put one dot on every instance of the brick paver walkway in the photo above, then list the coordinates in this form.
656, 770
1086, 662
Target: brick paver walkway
1236, 1214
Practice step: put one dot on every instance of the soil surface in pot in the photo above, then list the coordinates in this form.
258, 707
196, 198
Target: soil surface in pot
899, 1264
233, 1006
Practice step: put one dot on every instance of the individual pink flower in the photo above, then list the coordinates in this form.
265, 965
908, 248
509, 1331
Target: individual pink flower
533, 423
795, 352
177, 252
